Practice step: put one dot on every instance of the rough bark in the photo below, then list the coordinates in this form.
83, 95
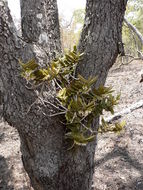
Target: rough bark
41, 136
101, 37
40, 25
44, 150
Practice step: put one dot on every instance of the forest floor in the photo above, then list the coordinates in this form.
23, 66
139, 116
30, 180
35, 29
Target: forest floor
119, 158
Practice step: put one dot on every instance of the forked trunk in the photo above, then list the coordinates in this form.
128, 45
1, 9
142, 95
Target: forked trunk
44, 150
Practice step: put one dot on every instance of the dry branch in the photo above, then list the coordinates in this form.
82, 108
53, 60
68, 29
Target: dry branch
125, 111
135, 30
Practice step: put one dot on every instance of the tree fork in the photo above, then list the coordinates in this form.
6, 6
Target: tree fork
44, 150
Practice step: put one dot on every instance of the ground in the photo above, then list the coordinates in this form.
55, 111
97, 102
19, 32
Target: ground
119, 158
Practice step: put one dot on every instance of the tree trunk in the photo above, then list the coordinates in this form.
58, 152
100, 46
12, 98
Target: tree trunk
135, 30
101, 37
40, 25
44, 150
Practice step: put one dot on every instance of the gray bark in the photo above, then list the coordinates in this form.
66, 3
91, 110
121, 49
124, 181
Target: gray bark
40, 24
101, 37
44, 150
135, 30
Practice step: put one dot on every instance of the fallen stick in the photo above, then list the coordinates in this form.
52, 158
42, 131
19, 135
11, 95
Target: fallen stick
128, 110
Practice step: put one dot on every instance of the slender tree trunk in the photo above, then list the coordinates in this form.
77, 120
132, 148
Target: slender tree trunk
135, 30
44, 150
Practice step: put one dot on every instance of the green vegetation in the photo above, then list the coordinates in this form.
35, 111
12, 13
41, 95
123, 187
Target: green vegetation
80, 101
134, 14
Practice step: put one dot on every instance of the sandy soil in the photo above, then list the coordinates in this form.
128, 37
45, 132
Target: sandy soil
119, 158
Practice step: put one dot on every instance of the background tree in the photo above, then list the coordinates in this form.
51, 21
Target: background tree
134, 15
70, 31
44, 149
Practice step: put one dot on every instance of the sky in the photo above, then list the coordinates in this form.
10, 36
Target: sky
66, 7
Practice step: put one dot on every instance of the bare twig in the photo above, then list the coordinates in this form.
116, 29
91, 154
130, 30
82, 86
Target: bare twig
28, 110
133, 59
60, 104
128, 110
56, 114
45, 101
89, 129
135, 30
57, 83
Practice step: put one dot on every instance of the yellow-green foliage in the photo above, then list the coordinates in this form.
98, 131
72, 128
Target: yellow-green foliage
116, 128
81, 102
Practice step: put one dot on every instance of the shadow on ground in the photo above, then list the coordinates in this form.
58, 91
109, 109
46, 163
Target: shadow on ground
119, 158
123, 155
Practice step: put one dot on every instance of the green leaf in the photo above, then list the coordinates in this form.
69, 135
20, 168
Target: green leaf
62, 94
81, 103
30, 65
74, 48
80, 139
